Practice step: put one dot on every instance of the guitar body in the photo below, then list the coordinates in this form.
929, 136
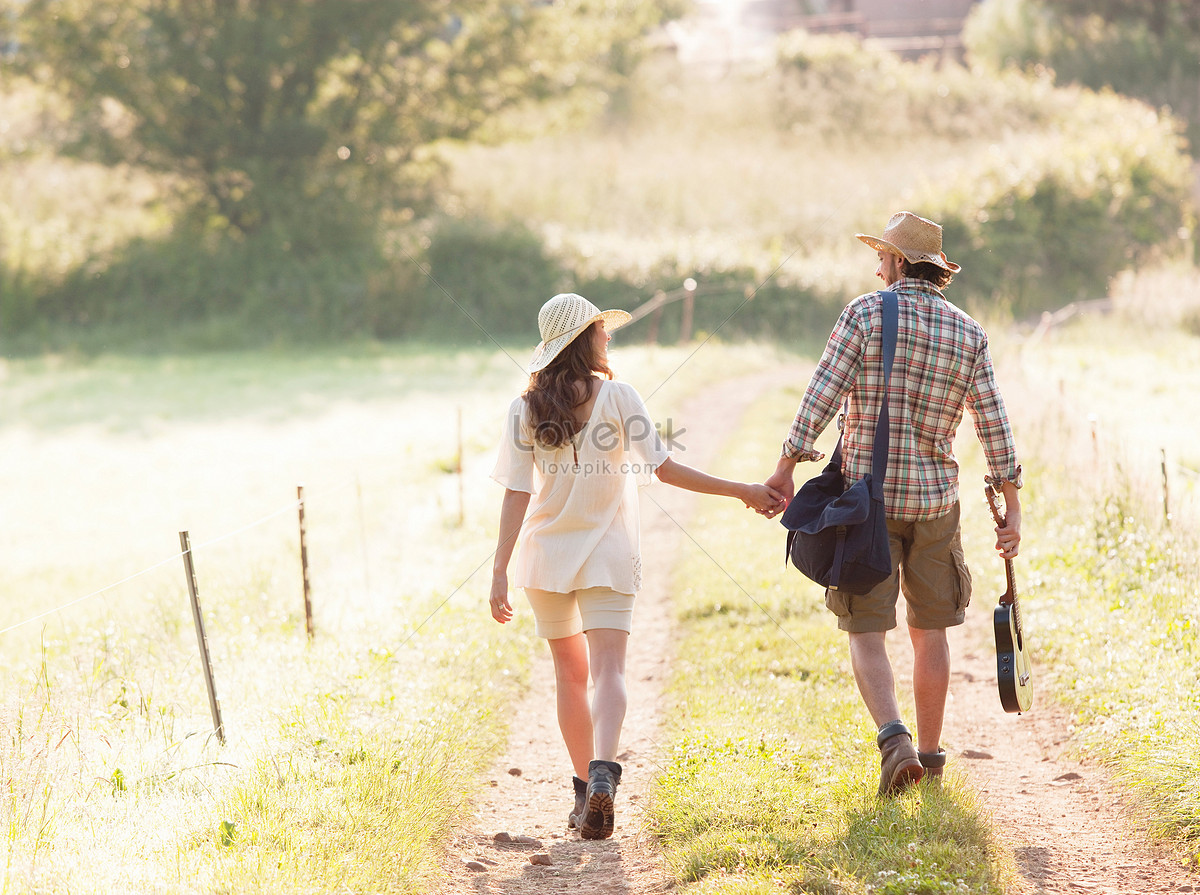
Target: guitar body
1014, 677
1013, 670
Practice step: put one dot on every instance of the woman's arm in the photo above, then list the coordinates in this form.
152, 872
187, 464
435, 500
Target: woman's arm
766, 500
512, 515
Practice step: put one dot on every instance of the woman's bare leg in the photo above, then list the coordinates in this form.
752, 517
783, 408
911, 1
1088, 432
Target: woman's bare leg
570, 656
607, 657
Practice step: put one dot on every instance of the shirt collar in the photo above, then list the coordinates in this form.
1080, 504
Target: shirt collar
913, 284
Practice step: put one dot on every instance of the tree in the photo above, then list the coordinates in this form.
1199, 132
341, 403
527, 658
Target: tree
305, 115
1148, 49
1157, 15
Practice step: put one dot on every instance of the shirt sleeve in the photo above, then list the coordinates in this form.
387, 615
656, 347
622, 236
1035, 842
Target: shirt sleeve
514, 461
645, 450
831, 382
990, 416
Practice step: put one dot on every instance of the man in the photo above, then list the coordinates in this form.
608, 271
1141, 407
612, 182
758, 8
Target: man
942, 366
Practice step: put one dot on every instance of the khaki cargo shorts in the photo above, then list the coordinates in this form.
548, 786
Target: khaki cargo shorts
928, 566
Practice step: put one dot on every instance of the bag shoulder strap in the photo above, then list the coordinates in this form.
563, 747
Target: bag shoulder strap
879, 450
883, 427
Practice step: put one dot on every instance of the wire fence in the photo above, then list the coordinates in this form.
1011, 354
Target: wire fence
290, 507
1177, 480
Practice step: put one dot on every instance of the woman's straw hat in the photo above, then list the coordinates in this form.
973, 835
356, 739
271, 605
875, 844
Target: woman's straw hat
914, 238
563, 318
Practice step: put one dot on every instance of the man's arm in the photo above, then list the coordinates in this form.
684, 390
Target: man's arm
782, 479
837, 371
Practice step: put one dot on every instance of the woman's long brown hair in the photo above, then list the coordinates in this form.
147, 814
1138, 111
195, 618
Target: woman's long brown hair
555, 393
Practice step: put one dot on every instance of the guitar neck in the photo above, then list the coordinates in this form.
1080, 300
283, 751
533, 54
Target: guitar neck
1010, 597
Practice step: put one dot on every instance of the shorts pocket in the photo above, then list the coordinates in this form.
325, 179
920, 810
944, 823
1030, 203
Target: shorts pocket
838, 602
962, 574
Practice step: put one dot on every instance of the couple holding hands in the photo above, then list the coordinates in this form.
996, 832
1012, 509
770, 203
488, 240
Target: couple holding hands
577, 444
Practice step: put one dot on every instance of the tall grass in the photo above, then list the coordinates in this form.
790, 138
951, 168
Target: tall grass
754, 183
702, 176
1114, 599
374, 729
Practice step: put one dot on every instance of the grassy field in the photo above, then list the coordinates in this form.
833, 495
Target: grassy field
115, 780
348, 758
703, 174
335, 773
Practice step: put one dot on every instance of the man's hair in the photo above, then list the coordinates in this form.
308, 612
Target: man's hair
926, 270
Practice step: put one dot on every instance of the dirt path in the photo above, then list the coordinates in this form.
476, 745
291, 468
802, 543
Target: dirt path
1063, 820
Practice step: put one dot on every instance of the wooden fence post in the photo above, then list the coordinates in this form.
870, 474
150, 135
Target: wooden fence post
308, 617
185, 542
689, 310
362, 535
458, 470
1166, 491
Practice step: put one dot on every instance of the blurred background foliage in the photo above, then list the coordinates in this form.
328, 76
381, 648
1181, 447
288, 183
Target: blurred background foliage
235, 173
1149, 49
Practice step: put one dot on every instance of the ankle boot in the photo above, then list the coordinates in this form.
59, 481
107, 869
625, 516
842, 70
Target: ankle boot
580, 801
933, 763
598, 813
899, 765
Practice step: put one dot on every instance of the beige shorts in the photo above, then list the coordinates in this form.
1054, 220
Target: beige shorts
564, 615
928, 566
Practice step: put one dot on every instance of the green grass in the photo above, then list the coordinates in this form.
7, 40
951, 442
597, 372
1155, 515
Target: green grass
109, 456
370, 734
350, 758
771, 779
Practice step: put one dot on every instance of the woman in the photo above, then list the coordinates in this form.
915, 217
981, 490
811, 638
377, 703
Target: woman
575, 445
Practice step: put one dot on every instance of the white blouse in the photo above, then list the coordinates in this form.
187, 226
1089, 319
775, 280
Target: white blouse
581, 529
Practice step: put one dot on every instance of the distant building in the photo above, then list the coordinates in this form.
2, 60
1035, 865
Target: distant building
725, 31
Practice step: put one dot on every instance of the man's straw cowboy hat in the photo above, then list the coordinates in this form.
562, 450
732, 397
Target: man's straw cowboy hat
913, 237
562, 319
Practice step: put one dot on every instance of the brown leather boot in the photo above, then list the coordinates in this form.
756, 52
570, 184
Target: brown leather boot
598, 813
933, 763
899, 765
580, 803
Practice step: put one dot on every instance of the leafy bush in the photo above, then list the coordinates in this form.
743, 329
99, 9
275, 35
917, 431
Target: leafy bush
1048, 220
838, 85
1075, 187
1149, 51
493, 279
220, 292
487, 277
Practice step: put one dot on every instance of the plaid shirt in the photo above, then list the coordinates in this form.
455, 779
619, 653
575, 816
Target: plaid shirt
942, 366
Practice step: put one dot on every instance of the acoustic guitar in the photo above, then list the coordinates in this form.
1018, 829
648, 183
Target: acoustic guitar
1013, 670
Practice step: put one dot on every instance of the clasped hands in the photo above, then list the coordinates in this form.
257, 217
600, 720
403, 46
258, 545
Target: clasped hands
765, 500
771, 497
